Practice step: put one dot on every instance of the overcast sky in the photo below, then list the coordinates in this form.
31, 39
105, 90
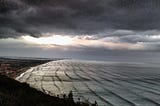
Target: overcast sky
81, 29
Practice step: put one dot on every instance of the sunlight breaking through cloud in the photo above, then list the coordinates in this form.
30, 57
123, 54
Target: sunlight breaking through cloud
56, 40
82, 41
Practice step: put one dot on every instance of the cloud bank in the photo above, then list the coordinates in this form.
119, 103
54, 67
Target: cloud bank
108, 24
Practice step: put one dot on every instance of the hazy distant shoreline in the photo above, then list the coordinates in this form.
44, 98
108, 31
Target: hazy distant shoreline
14, 66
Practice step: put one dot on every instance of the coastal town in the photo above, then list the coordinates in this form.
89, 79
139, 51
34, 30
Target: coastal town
13, 67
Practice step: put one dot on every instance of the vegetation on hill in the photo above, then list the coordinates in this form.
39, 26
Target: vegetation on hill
13, 93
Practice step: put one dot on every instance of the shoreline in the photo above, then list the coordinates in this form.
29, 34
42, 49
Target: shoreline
20, 71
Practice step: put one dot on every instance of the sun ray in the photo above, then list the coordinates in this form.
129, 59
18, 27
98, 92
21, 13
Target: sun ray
56, 40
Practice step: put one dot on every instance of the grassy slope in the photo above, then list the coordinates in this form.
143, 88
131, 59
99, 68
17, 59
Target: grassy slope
13, 93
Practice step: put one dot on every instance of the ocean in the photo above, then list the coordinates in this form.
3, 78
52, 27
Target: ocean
107, 83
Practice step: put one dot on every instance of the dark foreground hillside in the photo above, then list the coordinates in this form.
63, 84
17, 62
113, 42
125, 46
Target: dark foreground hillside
13, 93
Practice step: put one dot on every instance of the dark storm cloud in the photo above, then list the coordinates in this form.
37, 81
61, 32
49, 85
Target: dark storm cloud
35, 17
